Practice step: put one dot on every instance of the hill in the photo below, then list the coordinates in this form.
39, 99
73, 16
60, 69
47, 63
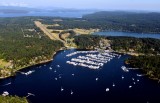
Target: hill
126, 21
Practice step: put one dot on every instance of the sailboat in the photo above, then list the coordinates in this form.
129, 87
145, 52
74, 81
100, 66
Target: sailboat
62, 89
71, 92
113, 85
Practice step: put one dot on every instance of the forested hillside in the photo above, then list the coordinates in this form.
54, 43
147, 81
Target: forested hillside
126, 21
23, 44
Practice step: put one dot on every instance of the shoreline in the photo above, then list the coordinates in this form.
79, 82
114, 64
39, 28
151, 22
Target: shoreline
61, 49
31, 65
129, 53
145, 73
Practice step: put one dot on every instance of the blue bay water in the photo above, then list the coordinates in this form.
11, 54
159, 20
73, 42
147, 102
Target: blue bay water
129, 34
85, 88
47, 14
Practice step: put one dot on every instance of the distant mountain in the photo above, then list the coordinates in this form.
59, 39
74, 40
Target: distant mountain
139, 22
14, 9
123, 15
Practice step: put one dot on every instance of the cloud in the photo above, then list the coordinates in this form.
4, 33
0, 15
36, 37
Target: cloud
19, 4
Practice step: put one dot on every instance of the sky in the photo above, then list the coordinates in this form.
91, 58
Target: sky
87, 4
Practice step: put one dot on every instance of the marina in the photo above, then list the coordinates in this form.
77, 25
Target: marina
92, 59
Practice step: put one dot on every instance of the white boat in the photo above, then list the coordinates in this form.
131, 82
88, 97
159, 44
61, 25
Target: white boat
56, 78
130, 86
140, 75
72, 74
50, 68
30, 94
71, 92
58, 66
113, 85
133, 79
62, 89
124, 69
122, 77
107, 89
138, 80
5, 93
55, 71
29, 72
96, 79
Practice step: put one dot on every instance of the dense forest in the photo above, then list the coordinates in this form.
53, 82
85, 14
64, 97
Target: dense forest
87, 41
126, 44
23, 44
138, 45
149, 64
126, 21
110, 21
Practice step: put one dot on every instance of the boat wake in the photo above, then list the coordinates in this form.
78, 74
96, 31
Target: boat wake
7, 84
